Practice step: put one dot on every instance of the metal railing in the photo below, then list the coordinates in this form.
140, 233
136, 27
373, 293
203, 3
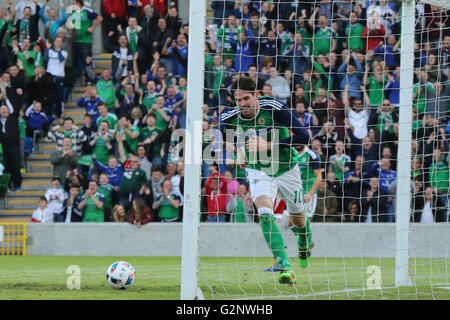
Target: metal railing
13, 238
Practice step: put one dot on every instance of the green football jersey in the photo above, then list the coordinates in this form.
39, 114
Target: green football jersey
307, 39
322, 41
91, 212
420, 102
354, 34
149, 100
133, 143
82, 21
28, 65
111, 118
273, 122
223, 36
376, 90
107, 92
106, 191
148, 133
100, 149
344, 160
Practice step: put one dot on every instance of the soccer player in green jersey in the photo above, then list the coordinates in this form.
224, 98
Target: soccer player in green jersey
261, 127
311, 172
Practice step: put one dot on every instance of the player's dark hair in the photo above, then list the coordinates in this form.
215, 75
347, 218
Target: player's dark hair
43, 199
245, 84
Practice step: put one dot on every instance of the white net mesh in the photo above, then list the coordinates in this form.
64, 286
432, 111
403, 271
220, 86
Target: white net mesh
336, 66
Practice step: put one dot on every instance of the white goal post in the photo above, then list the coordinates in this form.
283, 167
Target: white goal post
193, 152
404, 147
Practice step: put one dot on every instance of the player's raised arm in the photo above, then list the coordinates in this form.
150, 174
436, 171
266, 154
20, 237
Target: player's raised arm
288, 119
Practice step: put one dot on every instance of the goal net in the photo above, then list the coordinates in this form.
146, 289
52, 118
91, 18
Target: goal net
335, 71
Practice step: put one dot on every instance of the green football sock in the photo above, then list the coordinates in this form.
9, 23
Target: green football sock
274, 239
303, 234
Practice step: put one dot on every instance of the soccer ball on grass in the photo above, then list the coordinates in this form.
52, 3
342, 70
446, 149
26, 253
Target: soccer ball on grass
120, 275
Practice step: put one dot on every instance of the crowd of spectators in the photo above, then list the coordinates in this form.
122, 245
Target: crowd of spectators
336, 64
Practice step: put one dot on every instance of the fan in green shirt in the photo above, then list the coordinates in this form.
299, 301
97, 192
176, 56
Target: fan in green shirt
223, 35
238, 207
163, 114
84, 20
304, 30
149, 95
133, 178
376, 83
354, 31
167, 203
27, 57
324, 39
92, 203
109, 117
106, 90
131, 133
106, 190
439, 172
101, 142
420, 91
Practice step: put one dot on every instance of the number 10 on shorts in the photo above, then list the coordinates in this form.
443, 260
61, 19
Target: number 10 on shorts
298, 196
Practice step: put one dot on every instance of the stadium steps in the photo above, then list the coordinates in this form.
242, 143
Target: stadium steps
19, 206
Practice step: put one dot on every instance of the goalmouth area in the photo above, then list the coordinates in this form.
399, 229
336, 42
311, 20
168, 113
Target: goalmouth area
348, 262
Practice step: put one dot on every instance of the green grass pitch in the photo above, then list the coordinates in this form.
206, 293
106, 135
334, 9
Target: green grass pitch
45, 277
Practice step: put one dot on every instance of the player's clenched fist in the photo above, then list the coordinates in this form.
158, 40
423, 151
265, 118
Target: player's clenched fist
257, 143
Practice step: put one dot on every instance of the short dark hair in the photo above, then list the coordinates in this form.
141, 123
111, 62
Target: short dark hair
156, 168
68, 119
43, 199
245, 84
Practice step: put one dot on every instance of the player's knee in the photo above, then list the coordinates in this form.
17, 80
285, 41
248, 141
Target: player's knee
263, 201
298, 219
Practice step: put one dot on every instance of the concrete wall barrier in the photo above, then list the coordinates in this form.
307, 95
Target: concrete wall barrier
231, 240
